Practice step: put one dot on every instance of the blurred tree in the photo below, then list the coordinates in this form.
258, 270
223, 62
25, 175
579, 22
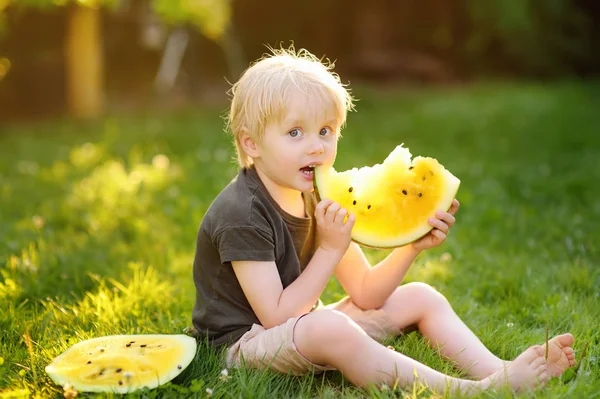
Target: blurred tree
83, 40
84, 61
3, 5
83, 53
212, 18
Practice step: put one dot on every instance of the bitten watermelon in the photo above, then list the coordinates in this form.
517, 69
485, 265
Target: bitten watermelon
392, 201
122, 363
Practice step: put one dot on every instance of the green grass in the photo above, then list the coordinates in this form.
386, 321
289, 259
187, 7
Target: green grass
98, 224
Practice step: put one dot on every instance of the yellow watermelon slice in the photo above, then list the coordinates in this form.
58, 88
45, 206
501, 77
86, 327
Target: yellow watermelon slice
123, 363
393, 200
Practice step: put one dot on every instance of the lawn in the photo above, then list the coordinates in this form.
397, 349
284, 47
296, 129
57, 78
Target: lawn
98, 224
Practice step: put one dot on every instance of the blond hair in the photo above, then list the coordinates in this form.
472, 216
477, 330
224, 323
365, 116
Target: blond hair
263, 93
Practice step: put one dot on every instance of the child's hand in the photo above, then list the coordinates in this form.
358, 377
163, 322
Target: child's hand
332, 232
441, 226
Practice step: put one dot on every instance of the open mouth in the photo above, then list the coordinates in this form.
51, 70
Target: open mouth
308, 171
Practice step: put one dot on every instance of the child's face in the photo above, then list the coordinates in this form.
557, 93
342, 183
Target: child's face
305, 135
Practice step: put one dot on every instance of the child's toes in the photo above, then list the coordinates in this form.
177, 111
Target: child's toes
569, 352
570, 355
542, 368
544, 377
538, 349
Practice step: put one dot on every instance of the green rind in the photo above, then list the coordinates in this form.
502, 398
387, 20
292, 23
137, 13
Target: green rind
189, 353
444, 203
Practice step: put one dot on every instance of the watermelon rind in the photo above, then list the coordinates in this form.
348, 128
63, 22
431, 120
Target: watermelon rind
62, 372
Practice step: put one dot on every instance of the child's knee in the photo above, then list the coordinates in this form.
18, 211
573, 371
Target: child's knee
325, 329
426, 294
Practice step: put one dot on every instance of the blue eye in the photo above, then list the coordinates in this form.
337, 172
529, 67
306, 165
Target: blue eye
325, 131
294, 132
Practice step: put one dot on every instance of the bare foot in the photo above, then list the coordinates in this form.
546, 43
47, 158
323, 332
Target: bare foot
529, 370
560, 354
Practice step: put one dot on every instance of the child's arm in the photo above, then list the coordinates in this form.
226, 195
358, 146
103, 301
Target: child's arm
262, 285
369, 287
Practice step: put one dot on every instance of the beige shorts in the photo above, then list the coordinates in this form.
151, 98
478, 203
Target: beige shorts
275, 349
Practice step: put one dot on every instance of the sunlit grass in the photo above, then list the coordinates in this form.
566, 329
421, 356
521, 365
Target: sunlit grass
98, 225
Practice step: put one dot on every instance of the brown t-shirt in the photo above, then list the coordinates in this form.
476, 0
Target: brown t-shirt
245, 223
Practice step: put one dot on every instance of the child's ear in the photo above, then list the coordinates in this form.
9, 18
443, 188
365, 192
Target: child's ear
249, 145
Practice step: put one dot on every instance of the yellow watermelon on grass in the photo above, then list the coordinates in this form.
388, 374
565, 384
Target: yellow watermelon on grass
392, 201
123, 363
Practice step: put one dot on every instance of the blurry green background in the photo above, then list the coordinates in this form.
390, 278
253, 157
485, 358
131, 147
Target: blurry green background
84, 57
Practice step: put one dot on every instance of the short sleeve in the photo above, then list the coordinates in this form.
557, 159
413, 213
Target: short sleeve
245, 243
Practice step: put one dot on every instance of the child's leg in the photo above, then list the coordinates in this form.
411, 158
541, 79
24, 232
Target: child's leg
331, 338
420, 305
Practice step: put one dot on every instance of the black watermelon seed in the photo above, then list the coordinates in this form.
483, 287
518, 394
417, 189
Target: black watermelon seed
420, 194
101, 372
120, 382
128, 345
67, 340
179, 367
143, 346
119, 370
354, 202
368, 206
350, 189
404, 192
410, 168
89, 362
424, 178
132, 342
101, 350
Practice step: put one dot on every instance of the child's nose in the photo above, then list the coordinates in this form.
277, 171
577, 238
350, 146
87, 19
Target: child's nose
316, 147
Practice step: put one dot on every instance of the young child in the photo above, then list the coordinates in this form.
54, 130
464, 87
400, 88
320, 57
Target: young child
266, 250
